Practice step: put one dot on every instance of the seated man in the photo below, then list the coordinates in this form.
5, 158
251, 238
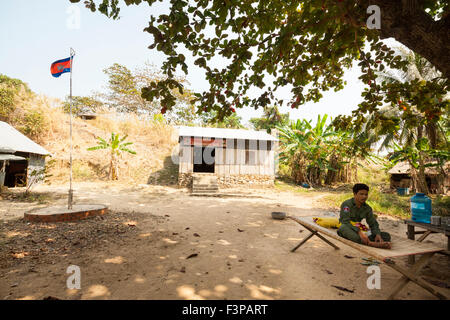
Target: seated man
355, 210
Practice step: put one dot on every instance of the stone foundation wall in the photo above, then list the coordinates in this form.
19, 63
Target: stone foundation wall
228, 181
185, 180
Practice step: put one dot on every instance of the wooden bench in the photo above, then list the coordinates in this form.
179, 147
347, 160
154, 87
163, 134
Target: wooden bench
400, 248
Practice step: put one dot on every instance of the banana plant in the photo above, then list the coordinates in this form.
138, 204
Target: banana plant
116, 146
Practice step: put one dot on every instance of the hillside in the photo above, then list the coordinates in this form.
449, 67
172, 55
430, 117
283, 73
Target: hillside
42, 119
153, 143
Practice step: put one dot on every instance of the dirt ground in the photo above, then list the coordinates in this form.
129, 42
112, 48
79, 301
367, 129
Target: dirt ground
161, 243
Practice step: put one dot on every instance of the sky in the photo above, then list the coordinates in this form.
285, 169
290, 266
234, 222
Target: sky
33, 34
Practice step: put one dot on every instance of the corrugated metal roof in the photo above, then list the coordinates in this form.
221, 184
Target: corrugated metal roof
10, 157
224, 133
10, 138
6, 150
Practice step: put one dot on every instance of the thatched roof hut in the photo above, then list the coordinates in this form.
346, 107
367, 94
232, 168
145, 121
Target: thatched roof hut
400, 176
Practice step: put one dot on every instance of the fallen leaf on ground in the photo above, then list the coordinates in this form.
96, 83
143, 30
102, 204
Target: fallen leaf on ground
343, 289
20, 255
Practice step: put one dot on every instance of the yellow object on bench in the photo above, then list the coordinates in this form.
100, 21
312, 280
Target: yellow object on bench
334, 223
327, 222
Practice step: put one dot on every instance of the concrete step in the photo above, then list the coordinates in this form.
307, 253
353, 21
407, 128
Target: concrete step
204, 191
205, 185
204, 179
206, 194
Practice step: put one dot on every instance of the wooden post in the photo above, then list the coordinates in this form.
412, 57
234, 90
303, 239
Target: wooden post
303, 241
411, 235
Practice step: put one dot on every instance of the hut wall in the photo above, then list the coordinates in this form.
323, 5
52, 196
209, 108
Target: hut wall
400, 181
35, 162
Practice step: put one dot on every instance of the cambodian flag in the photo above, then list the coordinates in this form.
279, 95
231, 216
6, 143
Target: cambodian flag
61, 66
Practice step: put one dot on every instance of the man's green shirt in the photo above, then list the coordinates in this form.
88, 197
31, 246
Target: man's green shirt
350, 212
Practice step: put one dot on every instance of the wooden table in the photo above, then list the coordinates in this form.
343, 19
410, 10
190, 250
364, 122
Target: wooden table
429, 229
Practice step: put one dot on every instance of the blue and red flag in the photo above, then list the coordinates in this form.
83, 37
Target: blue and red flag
61, 66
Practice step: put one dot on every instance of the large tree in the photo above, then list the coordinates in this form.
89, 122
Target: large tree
304, 44
124, 94
271, 118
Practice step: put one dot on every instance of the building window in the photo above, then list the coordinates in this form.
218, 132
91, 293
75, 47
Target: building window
250, 157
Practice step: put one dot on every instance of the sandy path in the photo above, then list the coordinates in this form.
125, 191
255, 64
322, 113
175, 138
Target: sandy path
239, 251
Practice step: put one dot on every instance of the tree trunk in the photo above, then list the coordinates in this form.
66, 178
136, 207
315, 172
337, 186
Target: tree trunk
421, 179
409, 24
113, 174
440, 181
332, 174
413, 174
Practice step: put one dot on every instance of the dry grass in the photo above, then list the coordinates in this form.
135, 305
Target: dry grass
153, 141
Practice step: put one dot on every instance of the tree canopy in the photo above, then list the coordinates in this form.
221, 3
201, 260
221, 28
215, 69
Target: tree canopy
81, 104
305, 45
124, 94
270, 119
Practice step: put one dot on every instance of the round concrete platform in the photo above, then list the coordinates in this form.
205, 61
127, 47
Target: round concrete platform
61, 213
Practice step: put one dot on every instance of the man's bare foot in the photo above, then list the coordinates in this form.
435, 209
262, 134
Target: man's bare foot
382, 245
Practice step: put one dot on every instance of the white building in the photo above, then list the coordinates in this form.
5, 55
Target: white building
235, 156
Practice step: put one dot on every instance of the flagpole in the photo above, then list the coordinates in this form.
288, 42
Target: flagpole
70, 200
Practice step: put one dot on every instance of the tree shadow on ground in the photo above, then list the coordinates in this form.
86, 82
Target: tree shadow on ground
19, 195
285, 183
166, 176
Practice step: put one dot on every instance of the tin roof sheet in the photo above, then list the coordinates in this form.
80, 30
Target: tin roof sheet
184, 131
10, 138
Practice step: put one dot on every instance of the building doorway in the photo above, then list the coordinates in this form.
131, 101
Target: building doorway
204, 159
16, 174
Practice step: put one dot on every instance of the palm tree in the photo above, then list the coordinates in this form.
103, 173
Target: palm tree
408, 131
116, 146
